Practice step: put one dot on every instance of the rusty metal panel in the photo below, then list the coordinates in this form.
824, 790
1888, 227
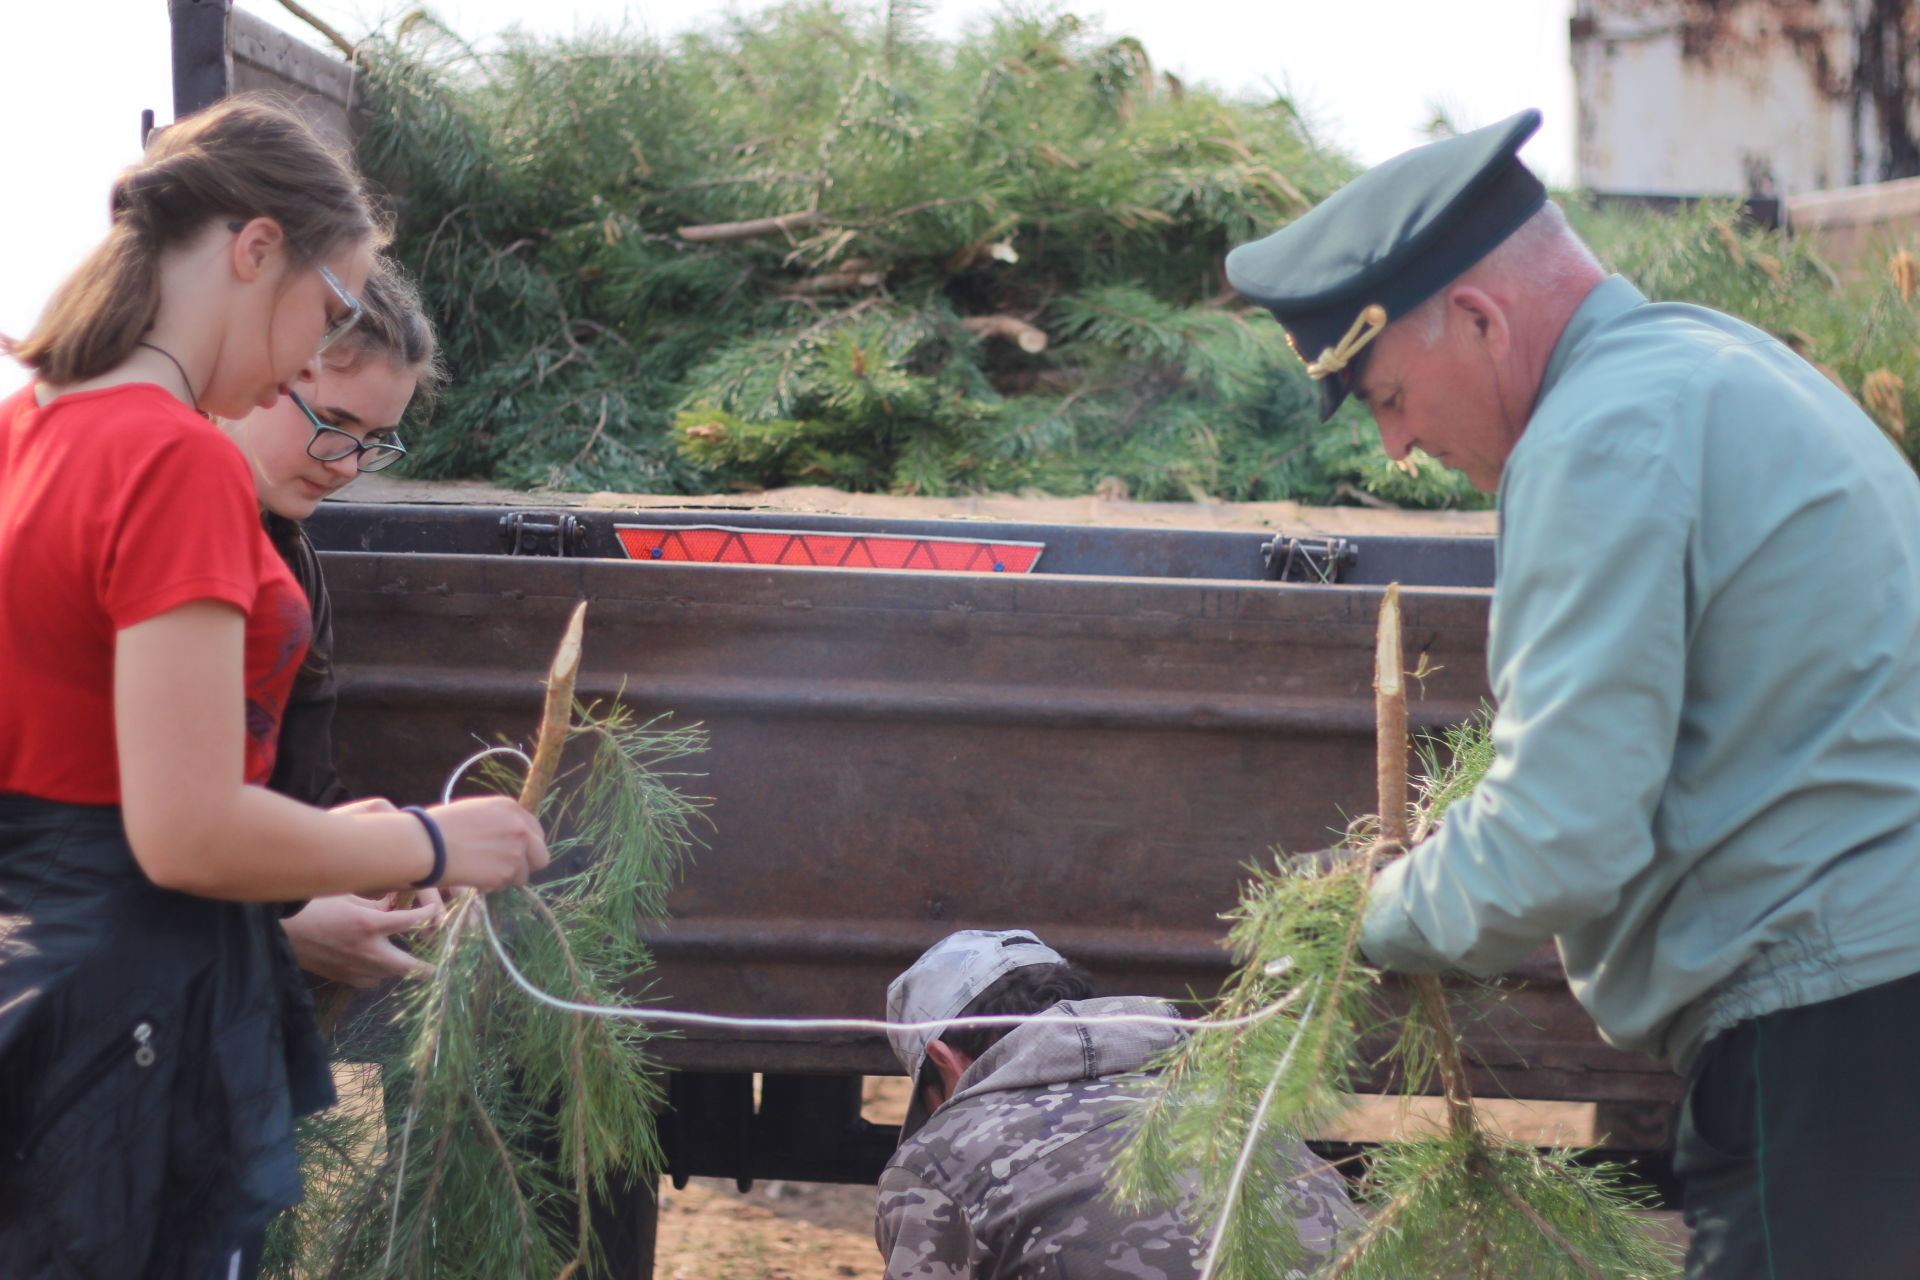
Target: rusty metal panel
1732, 97
220, 50
1070, 549
319, 85
898, 755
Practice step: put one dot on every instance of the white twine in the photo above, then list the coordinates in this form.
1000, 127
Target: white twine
675, 1017
683, 1018
680, 1018
453, 779
1241, 1165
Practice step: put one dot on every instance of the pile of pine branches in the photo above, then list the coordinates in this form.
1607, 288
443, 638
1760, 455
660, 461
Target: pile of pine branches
814, 245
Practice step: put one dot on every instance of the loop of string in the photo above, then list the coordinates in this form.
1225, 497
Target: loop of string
683, 1018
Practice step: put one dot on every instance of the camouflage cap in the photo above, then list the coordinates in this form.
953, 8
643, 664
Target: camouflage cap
1384, 243
943, 982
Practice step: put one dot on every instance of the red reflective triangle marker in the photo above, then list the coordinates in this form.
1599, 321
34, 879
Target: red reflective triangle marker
721, 544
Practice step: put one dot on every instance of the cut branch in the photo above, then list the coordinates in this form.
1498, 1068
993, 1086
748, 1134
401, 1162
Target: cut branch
752, 229
554, 718
484, 1123
556, 714
1431, 998
1390, 716
1390, 766
1545, 1228
837, 282
338, 41
1029, 338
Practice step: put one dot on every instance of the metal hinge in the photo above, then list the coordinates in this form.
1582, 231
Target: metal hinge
1308, 559
542, 533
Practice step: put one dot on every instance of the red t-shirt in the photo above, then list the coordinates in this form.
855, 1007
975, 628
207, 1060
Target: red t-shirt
115, 506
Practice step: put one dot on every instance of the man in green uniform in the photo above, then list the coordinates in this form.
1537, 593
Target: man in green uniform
1703, 648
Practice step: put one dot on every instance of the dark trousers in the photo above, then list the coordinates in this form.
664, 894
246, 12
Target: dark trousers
1798, 1149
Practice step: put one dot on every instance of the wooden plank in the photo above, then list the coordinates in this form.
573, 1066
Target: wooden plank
1856, 226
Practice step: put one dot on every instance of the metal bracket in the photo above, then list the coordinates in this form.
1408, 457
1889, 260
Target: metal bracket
1322, 560
542, 533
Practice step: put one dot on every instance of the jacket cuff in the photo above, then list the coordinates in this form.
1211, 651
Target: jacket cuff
1389, 939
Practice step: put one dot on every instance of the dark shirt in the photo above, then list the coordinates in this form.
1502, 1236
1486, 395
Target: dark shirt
304, 767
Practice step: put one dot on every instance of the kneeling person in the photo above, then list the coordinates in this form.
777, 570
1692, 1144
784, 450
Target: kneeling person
1004, 1166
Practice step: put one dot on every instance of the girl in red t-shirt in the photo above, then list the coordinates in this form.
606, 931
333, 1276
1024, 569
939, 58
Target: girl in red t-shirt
154, 1040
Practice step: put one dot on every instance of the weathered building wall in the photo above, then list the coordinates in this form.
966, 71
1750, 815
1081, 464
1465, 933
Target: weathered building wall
1745, 97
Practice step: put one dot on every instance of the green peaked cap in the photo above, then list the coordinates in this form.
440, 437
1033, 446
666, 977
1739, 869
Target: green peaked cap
1386, 242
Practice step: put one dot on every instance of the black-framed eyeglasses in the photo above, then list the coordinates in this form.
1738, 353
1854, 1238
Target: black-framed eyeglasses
330, 444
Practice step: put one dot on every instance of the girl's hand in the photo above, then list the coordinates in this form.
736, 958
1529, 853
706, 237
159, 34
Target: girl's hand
491, 842
349, 938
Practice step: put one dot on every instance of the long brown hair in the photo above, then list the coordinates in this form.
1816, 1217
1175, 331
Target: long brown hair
241, 158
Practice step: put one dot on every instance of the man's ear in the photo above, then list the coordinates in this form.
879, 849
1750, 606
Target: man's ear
254, 246
1484, 314
949, 1064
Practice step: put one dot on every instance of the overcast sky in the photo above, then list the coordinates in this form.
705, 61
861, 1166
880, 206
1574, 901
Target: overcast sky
1368, 71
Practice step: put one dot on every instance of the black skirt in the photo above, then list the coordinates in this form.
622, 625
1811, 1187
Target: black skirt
155, 1048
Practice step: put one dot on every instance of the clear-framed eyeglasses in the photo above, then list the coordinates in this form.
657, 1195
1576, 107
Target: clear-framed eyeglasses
330, 444
337, 326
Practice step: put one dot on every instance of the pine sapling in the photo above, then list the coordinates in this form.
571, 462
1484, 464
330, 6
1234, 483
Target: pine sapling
1463, 1201
503, 1117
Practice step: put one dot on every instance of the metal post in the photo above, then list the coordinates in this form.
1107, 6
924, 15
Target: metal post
202, 53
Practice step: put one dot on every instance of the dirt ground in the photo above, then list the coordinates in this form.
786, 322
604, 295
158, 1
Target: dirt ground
776, 1231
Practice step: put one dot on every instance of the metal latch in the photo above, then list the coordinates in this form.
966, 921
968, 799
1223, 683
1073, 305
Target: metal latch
1308, 559
542, 533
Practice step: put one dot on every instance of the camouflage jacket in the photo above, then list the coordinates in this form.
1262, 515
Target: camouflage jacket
1009, 1178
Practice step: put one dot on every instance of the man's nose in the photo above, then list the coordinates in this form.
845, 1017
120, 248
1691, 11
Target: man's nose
1394, 437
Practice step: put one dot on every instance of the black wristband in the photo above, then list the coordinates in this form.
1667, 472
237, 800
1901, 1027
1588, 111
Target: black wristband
432, 877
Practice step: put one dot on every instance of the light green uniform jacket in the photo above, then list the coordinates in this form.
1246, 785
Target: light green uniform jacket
1705, 650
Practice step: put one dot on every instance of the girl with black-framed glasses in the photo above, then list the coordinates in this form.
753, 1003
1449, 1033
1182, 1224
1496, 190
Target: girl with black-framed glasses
340, 418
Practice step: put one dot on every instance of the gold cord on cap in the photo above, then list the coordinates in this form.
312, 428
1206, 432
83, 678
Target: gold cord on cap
1366, 327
